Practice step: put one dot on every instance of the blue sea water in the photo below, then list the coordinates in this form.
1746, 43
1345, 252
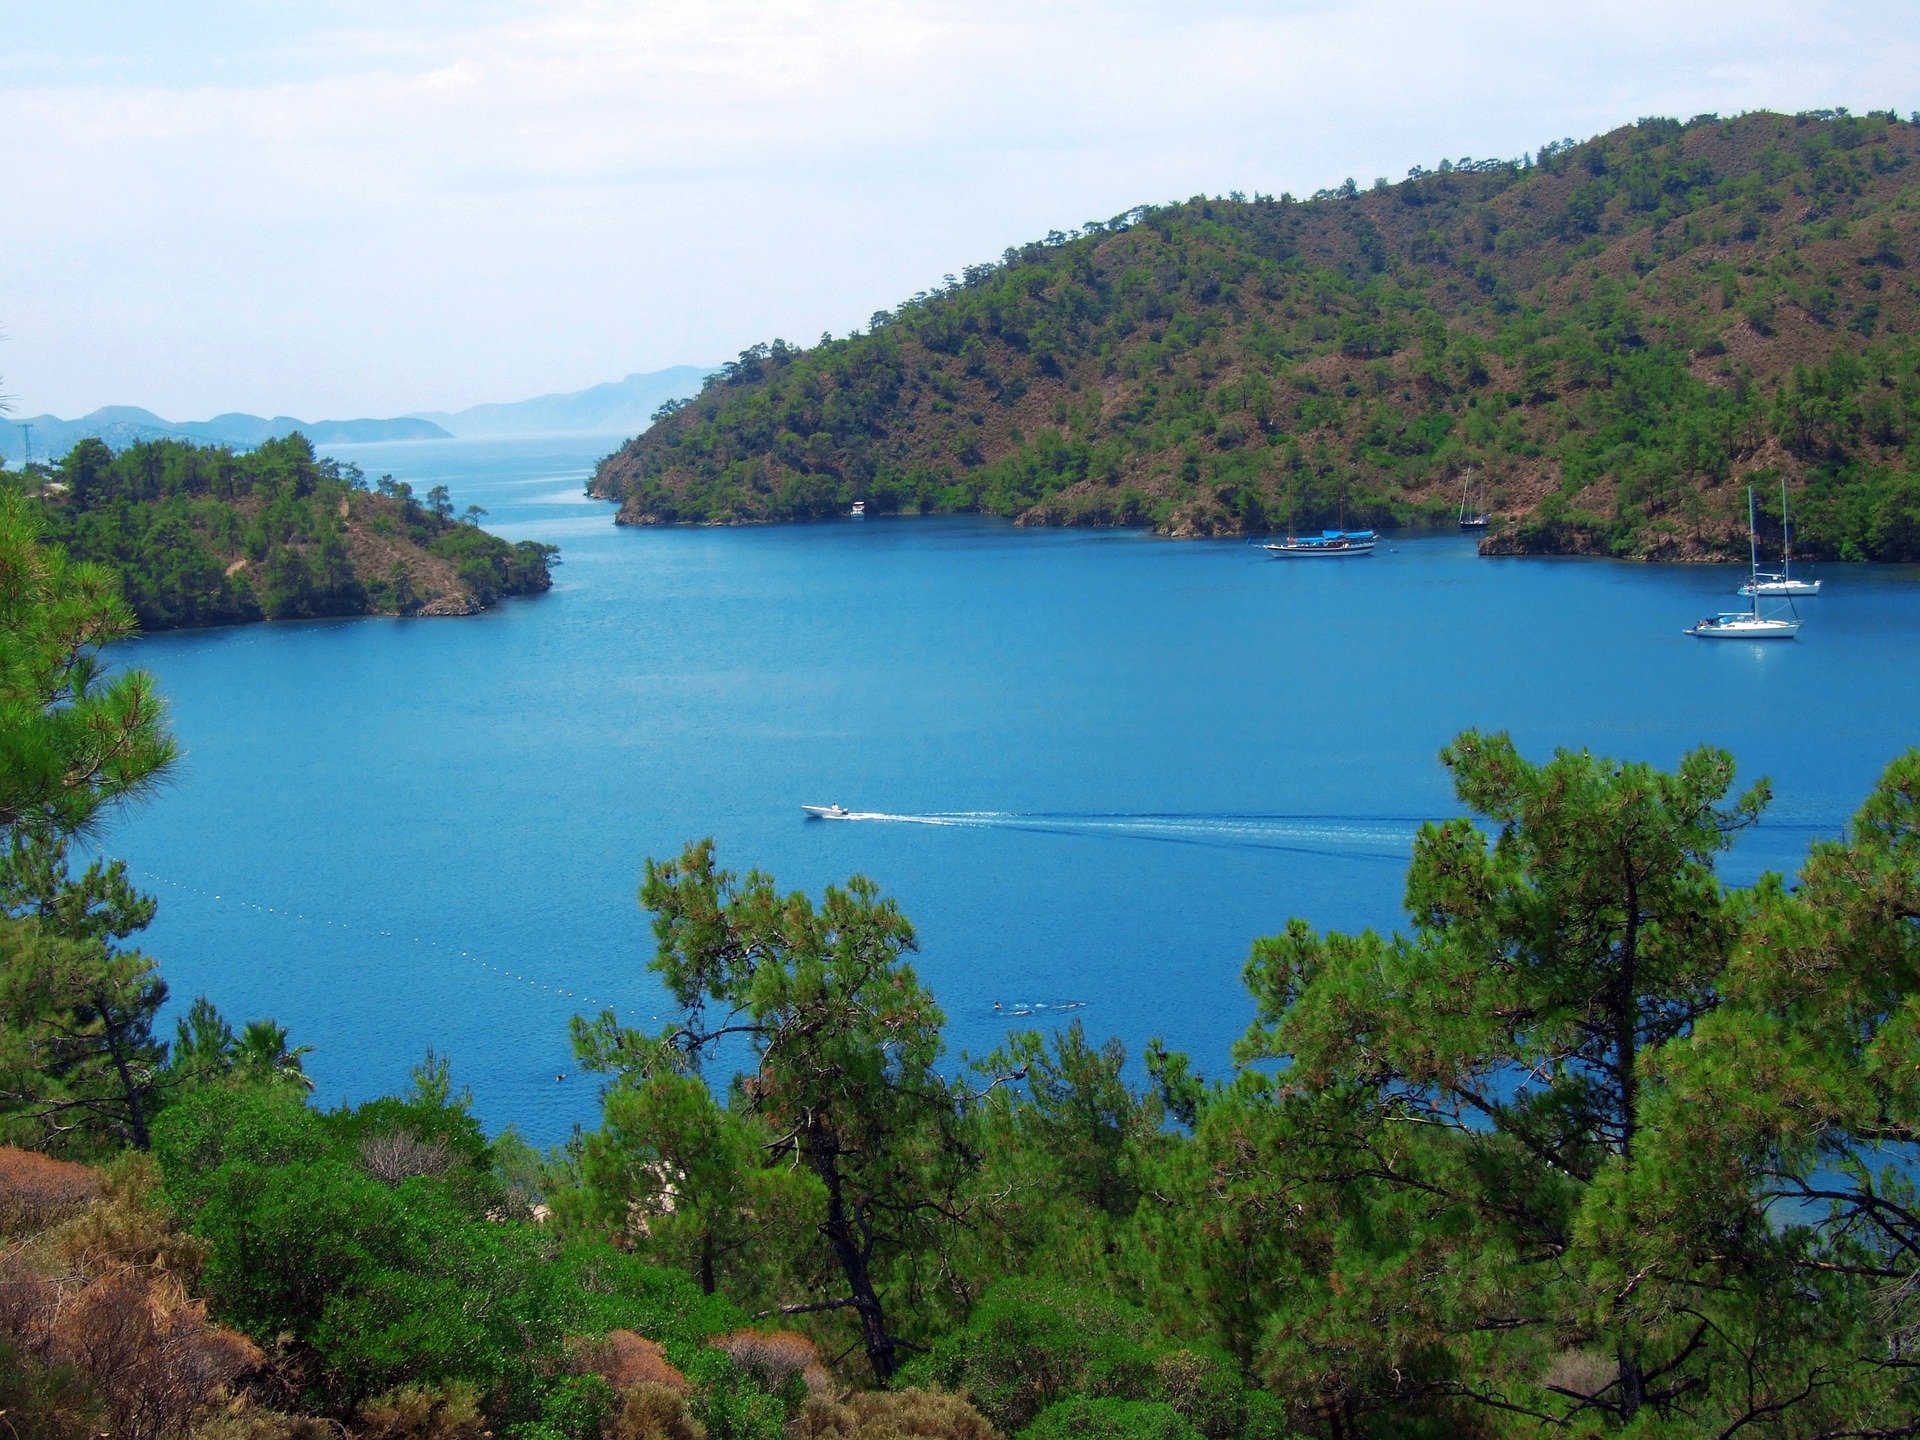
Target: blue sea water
1096, 764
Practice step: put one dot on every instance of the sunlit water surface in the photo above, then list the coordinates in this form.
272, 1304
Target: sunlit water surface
1091, 765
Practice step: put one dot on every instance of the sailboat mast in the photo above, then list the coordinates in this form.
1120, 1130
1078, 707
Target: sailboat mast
1753, 556
1786, 535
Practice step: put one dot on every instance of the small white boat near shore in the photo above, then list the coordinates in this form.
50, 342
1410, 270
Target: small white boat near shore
1471, 519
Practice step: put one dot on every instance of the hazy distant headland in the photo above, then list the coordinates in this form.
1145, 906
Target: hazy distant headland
619, 407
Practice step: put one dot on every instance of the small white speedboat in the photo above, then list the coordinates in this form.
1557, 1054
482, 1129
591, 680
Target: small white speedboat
826, 812
859, 510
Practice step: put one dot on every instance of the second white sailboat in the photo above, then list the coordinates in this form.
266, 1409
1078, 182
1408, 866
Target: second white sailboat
1767, 582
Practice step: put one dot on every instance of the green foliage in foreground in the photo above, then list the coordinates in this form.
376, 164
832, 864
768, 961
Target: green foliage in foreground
370, 1241
1599, 1145
77, 1056
200, 535
1616, 337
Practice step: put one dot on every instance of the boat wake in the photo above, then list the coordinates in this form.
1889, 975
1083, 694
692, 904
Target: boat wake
1353, 837
1388, 838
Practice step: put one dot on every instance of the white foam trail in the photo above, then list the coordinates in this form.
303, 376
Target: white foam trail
1358, 834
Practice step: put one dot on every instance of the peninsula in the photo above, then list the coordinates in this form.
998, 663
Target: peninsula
1617, 336
200, 535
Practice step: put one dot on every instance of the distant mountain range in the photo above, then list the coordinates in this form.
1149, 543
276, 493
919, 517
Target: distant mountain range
124, 425
620, 407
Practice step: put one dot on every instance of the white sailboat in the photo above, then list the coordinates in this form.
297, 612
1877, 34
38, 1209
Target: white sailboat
1767, 582
1471, 519
1748, 624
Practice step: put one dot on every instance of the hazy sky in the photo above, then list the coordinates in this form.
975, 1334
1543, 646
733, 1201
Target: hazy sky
364, 207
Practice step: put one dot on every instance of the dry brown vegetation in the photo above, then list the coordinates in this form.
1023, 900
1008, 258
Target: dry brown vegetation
93, 1282
624, 1359
911, 1414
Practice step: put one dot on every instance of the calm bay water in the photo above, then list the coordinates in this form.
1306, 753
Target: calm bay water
1098, 763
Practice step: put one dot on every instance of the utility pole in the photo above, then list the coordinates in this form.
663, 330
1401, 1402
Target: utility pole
27, 464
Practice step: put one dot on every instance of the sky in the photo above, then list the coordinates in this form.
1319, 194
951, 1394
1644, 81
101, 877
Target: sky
359, 208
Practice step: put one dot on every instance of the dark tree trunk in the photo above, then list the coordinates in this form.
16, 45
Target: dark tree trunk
129, 1086
851, 1252
1626, 1014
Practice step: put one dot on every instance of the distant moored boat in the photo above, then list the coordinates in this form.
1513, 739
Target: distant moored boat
1471, 519
1327, 544
1767, 582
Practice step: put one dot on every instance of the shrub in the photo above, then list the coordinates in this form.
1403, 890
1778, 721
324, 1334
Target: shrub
253, 1424
45, 1402
624, 1359
36, 1191
1084, 1419
619, 1291
779, 1361
575, 1407
400, 1155
125, 1225
151, 1355
1208, 1393
1028, 1345
912, 1414
28, 1303
214, 1126
421, 1412
653, 1412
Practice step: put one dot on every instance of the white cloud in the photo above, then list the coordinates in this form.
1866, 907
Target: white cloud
434, 204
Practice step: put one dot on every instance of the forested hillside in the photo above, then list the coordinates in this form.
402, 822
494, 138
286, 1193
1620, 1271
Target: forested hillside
200, 535
1616, 336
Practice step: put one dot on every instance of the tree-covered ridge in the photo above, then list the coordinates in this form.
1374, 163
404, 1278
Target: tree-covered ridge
1616, 336
201, 535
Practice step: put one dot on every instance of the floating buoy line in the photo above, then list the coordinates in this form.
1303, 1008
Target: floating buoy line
493, 968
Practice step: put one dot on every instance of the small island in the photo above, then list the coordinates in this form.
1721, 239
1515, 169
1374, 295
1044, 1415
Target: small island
200, 535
